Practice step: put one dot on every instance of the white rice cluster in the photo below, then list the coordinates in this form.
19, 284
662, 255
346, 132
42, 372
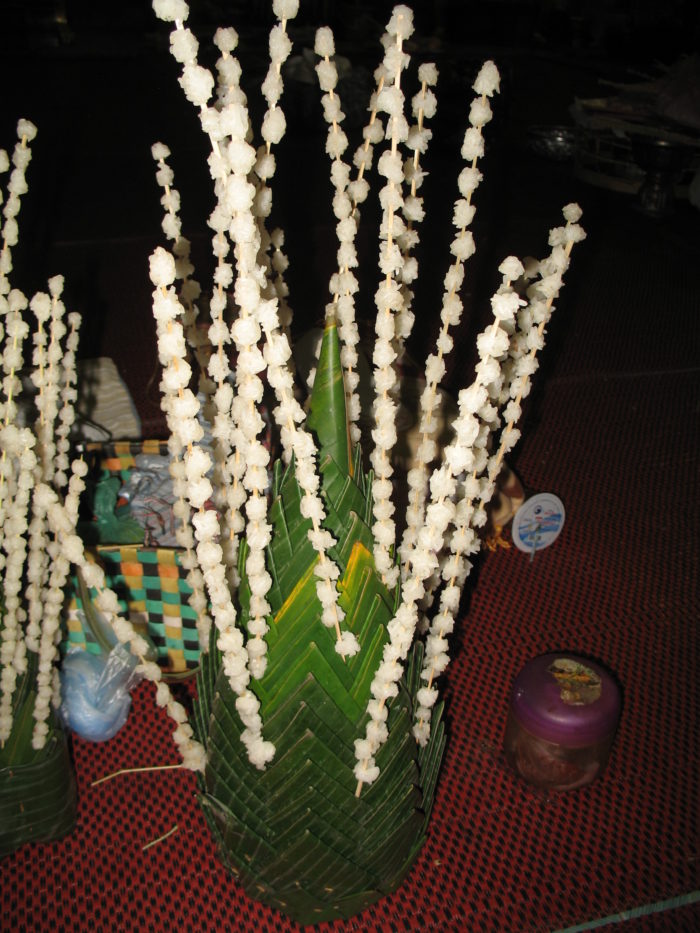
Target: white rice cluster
228, 69
17, 465
468, 452
389, 300
62, 525
47, 374
274, 123
5, 263
455, 570
494, 343
191, 486
34, 563
462, 248
54, 376
181, 408
388, 297
236, 194
465, 458
258, 317
279, 264
402, 628
18, 462
189, 291
289, 415
241, 423
532, 319
343, 284
424, 106
16, 187
33, 566
372, 135
272, 130
60, 552
69, 396
226, 124
215, 123
15, 331
38, 562
204, 345
229, 491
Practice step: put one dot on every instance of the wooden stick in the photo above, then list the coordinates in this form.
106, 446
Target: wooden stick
154, 842
108, 777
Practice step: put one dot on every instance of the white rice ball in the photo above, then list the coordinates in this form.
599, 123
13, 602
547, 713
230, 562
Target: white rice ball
265, 165
234, 120
428, 73
197, 83
347, 645
274, 125
390, 100
473, 145
480, 112
159, 151
285, 9
366, 773
401, 22
183, 45
469, 179
162, 267
336, 142
272, 86
171, 11
280, 45
331, 107
572, 213
26, 129
226, 39
511, 268
324, 44
462, 247
488, 80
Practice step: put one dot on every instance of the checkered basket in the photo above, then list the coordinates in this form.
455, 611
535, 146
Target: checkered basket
149, 582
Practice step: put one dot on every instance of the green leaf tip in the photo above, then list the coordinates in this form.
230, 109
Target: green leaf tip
327, 412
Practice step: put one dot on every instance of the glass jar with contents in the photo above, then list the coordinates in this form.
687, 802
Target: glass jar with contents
562, 721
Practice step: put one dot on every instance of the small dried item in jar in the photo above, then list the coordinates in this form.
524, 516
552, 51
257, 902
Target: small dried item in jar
562, 721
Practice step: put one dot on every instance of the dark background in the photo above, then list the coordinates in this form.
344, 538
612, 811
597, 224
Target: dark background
100, 85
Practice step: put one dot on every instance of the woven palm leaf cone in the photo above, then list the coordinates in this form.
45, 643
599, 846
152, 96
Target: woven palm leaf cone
296, 835
37, 788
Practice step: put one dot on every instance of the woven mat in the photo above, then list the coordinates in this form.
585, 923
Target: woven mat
619, 584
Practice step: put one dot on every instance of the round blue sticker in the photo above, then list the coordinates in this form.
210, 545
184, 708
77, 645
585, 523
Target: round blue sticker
537, 522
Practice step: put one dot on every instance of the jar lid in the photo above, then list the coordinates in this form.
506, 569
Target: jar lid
566, 699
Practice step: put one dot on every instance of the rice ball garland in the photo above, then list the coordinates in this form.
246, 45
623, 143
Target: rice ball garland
447, 504
462, 249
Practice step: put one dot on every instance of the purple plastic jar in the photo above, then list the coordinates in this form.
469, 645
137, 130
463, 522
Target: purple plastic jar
562, 721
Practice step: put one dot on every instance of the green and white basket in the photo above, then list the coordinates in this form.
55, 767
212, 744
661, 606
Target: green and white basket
149, 581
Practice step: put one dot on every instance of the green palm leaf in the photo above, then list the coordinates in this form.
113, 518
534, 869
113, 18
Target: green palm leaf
295, 834
37, 788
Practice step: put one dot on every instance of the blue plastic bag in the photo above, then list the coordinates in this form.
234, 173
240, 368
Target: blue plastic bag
95, 698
